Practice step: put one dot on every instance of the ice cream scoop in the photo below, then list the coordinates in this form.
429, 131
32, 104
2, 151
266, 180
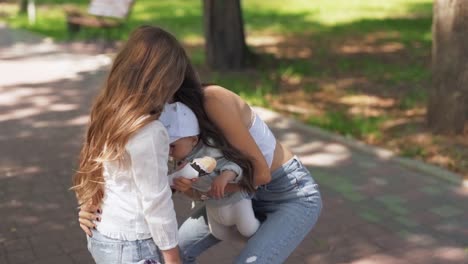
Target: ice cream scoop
194, 169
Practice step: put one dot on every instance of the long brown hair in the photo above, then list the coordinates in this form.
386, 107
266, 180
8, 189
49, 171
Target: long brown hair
145, 74
191, 94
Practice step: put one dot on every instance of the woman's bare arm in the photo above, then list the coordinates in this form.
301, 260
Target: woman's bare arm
224, 109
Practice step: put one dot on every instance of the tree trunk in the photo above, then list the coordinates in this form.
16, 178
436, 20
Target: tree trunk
224, 35
448, 97
23, 6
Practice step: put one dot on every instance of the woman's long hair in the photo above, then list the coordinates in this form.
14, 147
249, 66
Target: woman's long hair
191, 94
145, 74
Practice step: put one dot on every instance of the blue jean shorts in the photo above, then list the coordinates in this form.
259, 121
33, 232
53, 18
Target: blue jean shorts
106, 250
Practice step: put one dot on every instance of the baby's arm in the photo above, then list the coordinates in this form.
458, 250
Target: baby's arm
193, 169
186, 172
220, 182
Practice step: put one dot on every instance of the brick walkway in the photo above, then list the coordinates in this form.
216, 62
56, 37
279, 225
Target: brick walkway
375, 209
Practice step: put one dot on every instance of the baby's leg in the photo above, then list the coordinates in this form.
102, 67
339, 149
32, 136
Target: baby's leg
245, 219
240, 214
218, 229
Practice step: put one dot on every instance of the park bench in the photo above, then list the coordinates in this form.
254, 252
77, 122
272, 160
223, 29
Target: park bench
102, 14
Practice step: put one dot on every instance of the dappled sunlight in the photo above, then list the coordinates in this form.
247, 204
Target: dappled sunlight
330, 155
365, 111
297, 109
367, 100
297, 47
442, 160
19, 114
289, 52
262, 40
450, 254
366, 105
34, 101
78, 121
312, 152
416, 112
13, 171
462, 190
318, 153
371, 49
417, 250
45, 96
395, 122
194, 40
11, 97
52, 69
291, 79
28, 48
347, 82
380, 36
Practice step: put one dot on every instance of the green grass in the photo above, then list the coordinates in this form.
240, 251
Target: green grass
252, 89
322, 25
184, 17
413, 151
353, 126
414, 98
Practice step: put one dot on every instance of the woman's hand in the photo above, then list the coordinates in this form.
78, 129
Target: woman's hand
183, 185
87, 215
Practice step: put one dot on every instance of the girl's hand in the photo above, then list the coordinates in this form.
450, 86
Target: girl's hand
183, 185
87, 215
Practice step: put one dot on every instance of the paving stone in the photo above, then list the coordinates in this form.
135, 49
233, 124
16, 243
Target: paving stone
380, 258
451, 254
47, 250
390, 199
447, 211
82, 257
370, 216
3, 259
20, 256
406, 221
432, 190
8, 234
17, 245
72, 245
3, 254
62, 259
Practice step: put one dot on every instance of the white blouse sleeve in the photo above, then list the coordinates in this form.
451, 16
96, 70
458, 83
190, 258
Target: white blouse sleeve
149, 152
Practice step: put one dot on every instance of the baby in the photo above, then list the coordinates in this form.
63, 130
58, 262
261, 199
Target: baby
234, 209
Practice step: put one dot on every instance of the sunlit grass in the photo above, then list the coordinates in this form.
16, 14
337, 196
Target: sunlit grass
385, 43
184, 17
348, 125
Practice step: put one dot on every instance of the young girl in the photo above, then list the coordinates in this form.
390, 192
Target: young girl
123, 162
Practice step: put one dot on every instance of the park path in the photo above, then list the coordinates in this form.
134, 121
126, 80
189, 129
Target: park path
376, 209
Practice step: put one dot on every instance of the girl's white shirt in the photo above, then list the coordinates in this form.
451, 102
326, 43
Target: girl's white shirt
138, 200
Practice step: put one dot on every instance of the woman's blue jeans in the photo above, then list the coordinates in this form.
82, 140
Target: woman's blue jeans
288, 208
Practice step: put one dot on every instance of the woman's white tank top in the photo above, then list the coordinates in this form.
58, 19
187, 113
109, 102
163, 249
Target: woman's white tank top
264, 138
